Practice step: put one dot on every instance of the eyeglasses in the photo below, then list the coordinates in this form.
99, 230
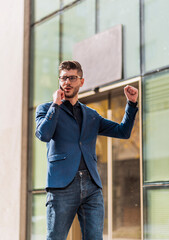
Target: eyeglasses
71, 78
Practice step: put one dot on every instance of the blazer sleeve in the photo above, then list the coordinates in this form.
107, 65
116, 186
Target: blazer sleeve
122, 130
46, 121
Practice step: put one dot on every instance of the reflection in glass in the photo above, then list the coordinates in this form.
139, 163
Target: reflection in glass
38, 224
156, 34
42, 8
37, 153
156, 215
155, 127
126, 178
125, 13
78, 24
101, 152
44, 61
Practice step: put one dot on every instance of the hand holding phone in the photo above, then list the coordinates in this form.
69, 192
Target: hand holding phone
58, 96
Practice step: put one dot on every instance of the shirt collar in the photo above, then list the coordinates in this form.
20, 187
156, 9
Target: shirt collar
68, 104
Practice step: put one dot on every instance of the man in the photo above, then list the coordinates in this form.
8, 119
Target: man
70, 130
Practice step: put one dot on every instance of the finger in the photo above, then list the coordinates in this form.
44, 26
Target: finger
63, 95
132, 90
126, 87
60, 90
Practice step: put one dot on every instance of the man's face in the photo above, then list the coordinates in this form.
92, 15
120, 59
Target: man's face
70, 88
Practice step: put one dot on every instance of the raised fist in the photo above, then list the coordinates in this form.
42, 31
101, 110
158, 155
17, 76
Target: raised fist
131, 93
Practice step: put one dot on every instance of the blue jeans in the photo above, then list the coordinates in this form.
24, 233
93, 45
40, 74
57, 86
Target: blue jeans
83, 197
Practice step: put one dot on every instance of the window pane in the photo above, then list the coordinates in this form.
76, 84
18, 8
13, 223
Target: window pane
156, 34
42, 8
78, 24
156, 220
155, 127
125, 12
101, 151
38, 231
66, 2
126, 178
37, 153
44, 61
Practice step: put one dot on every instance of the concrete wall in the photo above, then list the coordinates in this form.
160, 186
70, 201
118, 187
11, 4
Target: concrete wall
11, 81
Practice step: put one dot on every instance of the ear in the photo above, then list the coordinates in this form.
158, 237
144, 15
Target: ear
82, 82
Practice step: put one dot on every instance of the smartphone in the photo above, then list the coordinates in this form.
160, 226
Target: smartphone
63, 95
61, 88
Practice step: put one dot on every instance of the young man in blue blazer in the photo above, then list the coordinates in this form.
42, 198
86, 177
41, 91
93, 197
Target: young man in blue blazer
70, 130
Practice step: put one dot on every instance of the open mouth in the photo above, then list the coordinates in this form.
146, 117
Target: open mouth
67, 89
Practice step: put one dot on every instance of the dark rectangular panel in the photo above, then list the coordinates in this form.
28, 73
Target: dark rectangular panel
100, 57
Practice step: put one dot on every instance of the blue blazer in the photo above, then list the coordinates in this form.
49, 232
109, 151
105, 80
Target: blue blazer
65, 143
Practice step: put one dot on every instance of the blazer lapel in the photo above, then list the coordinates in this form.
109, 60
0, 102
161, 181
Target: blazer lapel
66, 109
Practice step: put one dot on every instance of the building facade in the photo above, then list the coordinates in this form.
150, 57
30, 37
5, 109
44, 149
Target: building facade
37, 36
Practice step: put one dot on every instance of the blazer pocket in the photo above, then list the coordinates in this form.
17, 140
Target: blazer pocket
57, 157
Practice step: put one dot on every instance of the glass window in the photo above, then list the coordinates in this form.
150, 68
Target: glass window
155, 127
44, 61
78, 24
37, 153
156, 34
38, 224
42, 8
101, 151
156, 220
126, 12
66, 2
126, 178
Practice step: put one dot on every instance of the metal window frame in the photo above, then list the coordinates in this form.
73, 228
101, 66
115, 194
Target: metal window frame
25, 132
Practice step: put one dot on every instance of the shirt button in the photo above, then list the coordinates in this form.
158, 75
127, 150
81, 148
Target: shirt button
80, 143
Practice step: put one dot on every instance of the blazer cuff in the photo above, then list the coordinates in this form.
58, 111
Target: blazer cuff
132, 104
55, 105
52, 111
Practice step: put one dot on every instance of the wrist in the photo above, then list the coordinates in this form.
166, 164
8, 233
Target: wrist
132, 104
57, 102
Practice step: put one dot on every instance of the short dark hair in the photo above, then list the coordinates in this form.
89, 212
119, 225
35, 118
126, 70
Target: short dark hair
71, 65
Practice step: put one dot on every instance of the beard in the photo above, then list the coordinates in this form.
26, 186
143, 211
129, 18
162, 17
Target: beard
74, 93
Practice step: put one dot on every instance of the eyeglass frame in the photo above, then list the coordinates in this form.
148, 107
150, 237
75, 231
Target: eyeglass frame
71, 80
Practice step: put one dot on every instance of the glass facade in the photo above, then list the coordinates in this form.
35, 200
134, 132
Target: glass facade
125, 202
44, 61
126, 178
156, 37
156, 155
38, 220
156, 213
76, 26
126, 13
145, 54
42, 8
39, 163
156, 114
101, 151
